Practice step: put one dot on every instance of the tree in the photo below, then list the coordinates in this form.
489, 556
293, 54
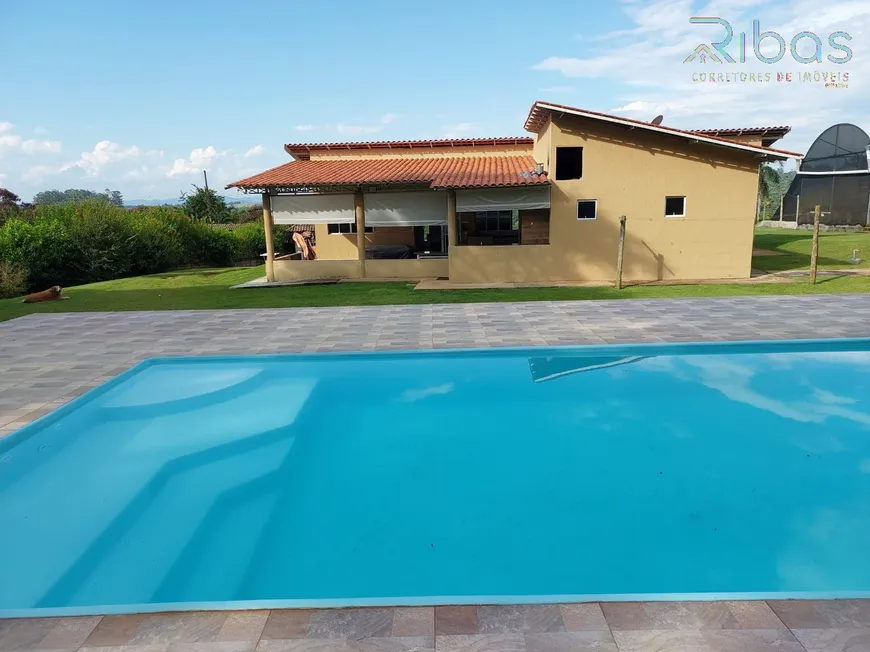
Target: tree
8, 198
75, 196
205, 205
10, 205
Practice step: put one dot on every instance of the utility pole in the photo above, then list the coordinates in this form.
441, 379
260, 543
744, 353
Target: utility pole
205, 178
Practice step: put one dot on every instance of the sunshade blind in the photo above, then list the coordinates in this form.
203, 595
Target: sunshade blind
500, 199
406, 208
313, 209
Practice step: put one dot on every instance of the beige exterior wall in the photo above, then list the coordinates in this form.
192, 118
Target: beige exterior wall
630, 172
420, 152
410, 268
343, 247
299, 270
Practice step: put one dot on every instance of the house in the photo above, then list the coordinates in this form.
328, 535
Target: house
538, 209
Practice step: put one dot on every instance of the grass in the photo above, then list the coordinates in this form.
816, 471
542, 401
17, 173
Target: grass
210, 289
835, 249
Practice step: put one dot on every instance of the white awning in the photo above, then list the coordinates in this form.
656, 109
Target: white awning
313, 209
502, 199
406, 208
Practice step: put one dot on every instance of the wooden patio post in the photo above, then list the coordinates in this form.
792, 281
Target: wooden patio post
619, 256
359, 209
814, 258
451, 219
270, 243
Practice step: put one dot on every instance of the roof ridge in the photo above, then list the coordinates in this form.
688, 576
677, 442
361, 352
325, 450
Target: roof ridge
535, 120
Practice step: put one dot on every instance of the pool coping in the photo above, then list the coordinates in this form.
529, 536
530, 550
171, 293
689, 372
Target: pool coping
660, 349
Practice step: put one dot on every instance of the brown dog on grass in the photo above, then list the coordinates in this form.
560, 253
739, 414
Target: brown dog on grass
50, 294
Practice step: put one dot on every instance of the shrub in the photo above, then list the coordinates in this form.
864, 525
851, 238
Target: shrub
71, 244
250, 241
13, 279
156, 245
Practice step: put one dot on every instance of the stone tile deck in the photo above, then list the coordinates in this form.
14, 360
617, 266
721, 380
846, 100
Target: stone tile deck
806, 626
46, 360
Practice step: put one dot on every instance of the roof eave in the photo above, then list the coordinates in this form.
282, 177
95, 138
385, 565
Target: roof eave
534, 119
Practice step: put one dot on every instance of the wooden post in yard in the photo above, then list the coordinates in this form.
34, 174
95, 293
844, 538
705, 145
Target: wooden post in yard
814, 258
781, 202
620, 254
270, 243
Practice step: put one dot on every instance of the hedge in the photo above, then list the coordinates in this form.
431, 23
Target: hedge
72, 244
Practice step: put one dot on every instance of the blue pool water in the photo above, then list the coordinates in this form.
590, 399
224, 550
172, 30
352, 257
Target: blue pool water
498, 476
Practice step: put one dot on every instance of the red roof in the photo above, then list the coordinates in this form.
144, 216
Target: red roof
302, 151
440, 172
541, 111
780, 131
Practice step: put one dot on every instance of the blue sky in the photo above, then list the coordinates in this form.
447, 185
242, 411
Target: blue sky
140, 96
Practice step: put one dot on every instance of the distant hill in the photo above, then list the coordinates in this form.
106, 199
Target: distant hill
236, 199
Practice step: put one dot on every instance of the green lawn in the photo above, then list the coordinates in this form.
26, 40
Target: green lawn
835, 249
200, 289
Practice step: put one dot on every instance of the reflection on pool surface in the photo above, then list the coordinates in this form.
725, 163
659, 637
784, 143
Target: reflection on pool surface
500, 476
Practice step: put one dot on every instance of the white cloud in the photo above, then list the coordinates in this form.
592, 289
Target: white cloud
5, 126
355, 130
104, 153
200, 159
36, 173
644, 62
459, 130
256, 150
35, 146
9, 141
558, 89
387, 118
305, 127
40, 131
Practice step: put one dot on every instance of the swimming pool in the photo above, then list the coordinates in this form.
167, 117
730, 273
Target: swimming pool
485, 476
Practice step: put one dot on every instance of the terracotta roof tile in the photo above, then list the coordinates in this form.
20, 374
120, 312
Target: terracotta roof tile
441, 172
302, 150
781, 130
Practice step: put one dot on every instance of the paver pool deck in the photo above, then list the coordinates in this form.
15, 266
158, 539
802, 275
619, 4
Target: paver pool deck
46, 360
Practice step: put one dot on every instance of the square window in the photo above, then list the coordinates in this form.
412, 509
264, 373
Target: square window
569, 163
675, 206
587, 209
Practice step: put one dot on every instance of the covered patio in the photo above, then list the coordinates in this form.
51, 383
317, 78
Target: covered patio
416, 204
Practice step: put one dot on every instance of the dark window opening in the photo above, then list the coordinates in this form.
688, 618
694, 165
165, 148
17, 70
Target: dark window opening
504, 227
675, 206
430, 239
345, 229
587, 209
569, 163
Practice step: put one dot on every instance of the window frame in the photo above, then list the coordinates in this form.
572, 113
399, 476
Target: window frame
558, 176
685, 206
351, 231
586, 201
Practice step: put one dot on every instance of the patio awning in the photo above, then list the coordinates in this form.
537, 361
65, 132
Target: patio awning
313, 209
420, 208
499, 199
